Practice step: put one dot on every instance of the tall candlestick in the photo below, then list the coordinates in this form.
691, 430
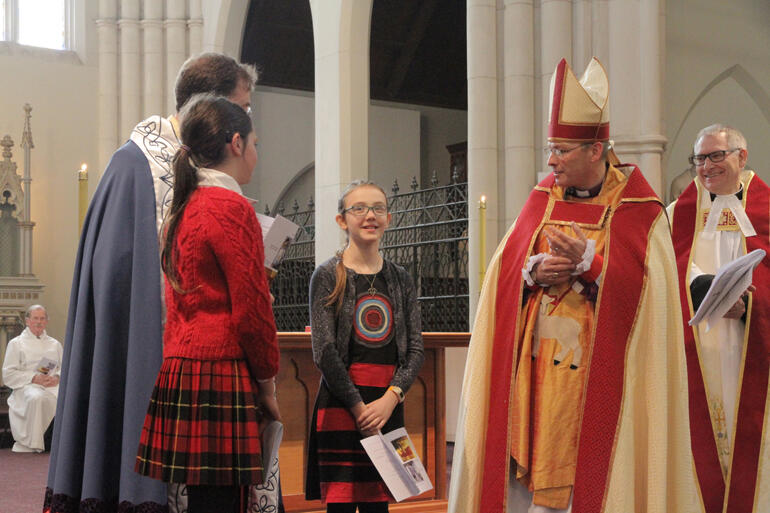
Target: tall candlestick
82, 193
482, 239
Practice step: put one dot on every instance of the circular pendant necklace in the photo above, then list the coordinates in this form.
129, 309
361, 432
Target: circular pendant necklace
372, 290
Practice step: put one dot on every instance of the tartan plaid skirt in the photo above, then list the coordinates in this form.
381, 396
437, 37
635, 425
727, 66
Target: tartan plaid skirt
201, 426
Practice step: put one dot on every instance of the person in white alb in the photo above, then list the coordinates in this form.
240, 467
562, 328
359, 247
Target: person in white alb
31, 368
722, 215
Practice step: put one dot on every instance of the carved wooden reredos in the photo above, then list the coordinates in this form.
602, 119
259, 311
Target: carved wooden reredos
19, 287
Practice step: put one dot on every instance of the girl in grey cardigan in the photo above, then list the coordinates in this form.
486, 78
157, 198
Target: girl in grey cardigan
367, 342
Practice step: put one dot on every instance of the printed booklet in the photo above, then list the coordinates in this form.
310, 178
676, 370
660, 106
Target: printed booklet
731, 280
277, 234
46, 365
395, 458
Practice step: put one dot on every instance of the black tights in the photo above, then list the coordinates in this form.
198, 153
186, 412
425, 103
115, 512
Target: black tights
363, 507
213, 499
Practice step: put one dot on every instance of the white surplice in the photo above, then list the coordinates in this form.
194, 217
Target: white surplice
721, 347
31, 407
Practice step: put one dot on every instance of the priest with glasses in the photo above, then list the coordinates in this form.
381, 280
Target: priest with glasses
574, 397
722, 215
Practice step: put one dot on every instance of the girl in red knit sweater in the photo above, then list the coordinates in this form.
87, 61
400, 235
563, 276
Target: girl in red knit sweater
220, 351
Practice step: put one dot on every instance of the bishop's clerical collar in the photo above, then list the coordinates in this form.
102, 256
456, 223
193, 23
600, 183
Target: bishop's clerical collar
588, 193
738, 194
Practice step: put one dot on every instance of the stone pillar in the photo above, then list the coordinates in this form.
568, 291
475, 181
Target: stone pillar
130, 68
600, 33
555, 44
582, 36
176, 46
519, 82
154, 93
195, 26
107, 29
635, 68
482, 135
341, 40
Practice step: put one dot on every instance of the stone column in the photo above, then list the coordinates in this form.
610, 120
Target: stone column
341, 40
487, 90
635, 68
176, 46
107, 29
482, 135
600, 38
555, 44
130, 68
154, 93
582, 37
519, 81
195, 27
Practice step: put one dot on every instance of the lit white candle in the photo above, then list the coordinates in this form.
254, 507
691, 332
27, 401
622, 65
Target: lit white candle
482, 238
82, 193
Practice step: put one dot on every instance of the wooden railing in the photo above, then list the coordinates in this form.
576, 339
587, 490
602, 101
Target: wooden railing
298, 383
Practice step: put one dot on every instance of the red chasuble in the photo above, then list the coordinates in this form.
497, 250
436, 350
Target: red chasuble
629, 226
741, 482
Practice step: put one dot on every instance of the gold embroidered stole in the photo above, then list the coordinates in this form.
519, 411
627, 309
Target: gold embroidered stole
555, 347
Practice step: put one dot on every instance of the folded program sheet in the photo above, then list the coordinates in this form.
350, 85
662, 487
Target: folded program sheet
729, 284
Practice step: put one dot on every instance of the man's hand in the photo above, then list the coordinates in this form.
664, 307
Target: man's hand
563, 245
739, 308
45, 381
377, 413
553, 271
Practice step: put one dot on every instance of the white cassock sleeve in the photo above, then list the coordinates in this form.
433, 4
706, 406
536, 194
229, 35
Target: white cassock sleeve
15, 373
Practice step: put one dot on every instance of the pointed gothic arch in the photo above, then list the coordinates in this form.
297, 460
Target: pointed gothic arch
745, 80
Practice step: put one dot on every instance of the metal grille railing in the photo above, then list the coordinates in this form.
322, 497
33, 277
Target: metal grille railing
428, 235
291, 286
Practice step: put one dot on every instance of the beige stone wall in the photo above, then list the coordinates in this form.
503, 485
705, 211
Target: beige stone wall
62, 90
717, 70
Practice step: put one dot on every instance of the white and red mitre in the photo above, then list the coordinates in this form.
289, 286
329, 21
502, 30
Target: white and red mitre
579, 110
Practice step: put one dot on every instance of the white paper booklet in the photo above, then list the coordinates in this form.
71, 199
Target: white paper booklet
46, 365
271, 439
396, 459
277, 234
731, 280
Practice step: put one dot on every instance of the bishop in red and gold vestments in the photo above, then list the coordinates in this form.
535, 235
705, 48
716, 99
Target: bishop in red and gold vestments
574, 397
722, 215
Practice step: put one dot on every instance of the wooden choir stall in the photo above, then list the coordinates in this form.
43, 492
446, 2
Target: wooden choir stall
298, 382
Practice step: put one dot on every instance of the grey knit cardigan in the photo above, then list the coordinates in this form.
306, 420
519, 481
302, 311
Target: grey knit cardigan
330, 332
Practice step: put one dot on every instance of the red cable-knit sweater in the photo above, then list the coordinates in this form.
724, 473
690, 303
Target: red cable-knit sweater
226, 311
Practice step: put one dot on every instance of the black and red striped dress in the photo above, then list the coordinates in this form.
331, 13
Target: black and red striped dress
338, 466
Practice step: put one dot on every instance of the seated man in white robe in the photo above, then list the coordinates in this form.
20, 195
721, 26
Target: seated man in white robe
31, 368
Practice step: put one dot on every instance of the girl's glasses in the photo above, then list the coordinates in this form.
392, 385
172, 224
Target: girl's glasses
359, 210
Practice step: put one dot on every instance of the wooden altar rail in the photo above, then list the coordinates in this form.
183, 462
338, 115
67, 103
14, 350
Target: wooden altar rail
424, 411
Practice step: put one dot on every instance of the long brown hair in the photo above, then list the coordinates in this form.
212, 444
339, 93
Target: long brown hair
208, 124
337, 295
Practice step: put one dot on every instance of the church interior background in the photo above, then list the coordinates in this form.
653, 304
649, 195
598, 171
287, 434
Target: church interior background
447, 97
